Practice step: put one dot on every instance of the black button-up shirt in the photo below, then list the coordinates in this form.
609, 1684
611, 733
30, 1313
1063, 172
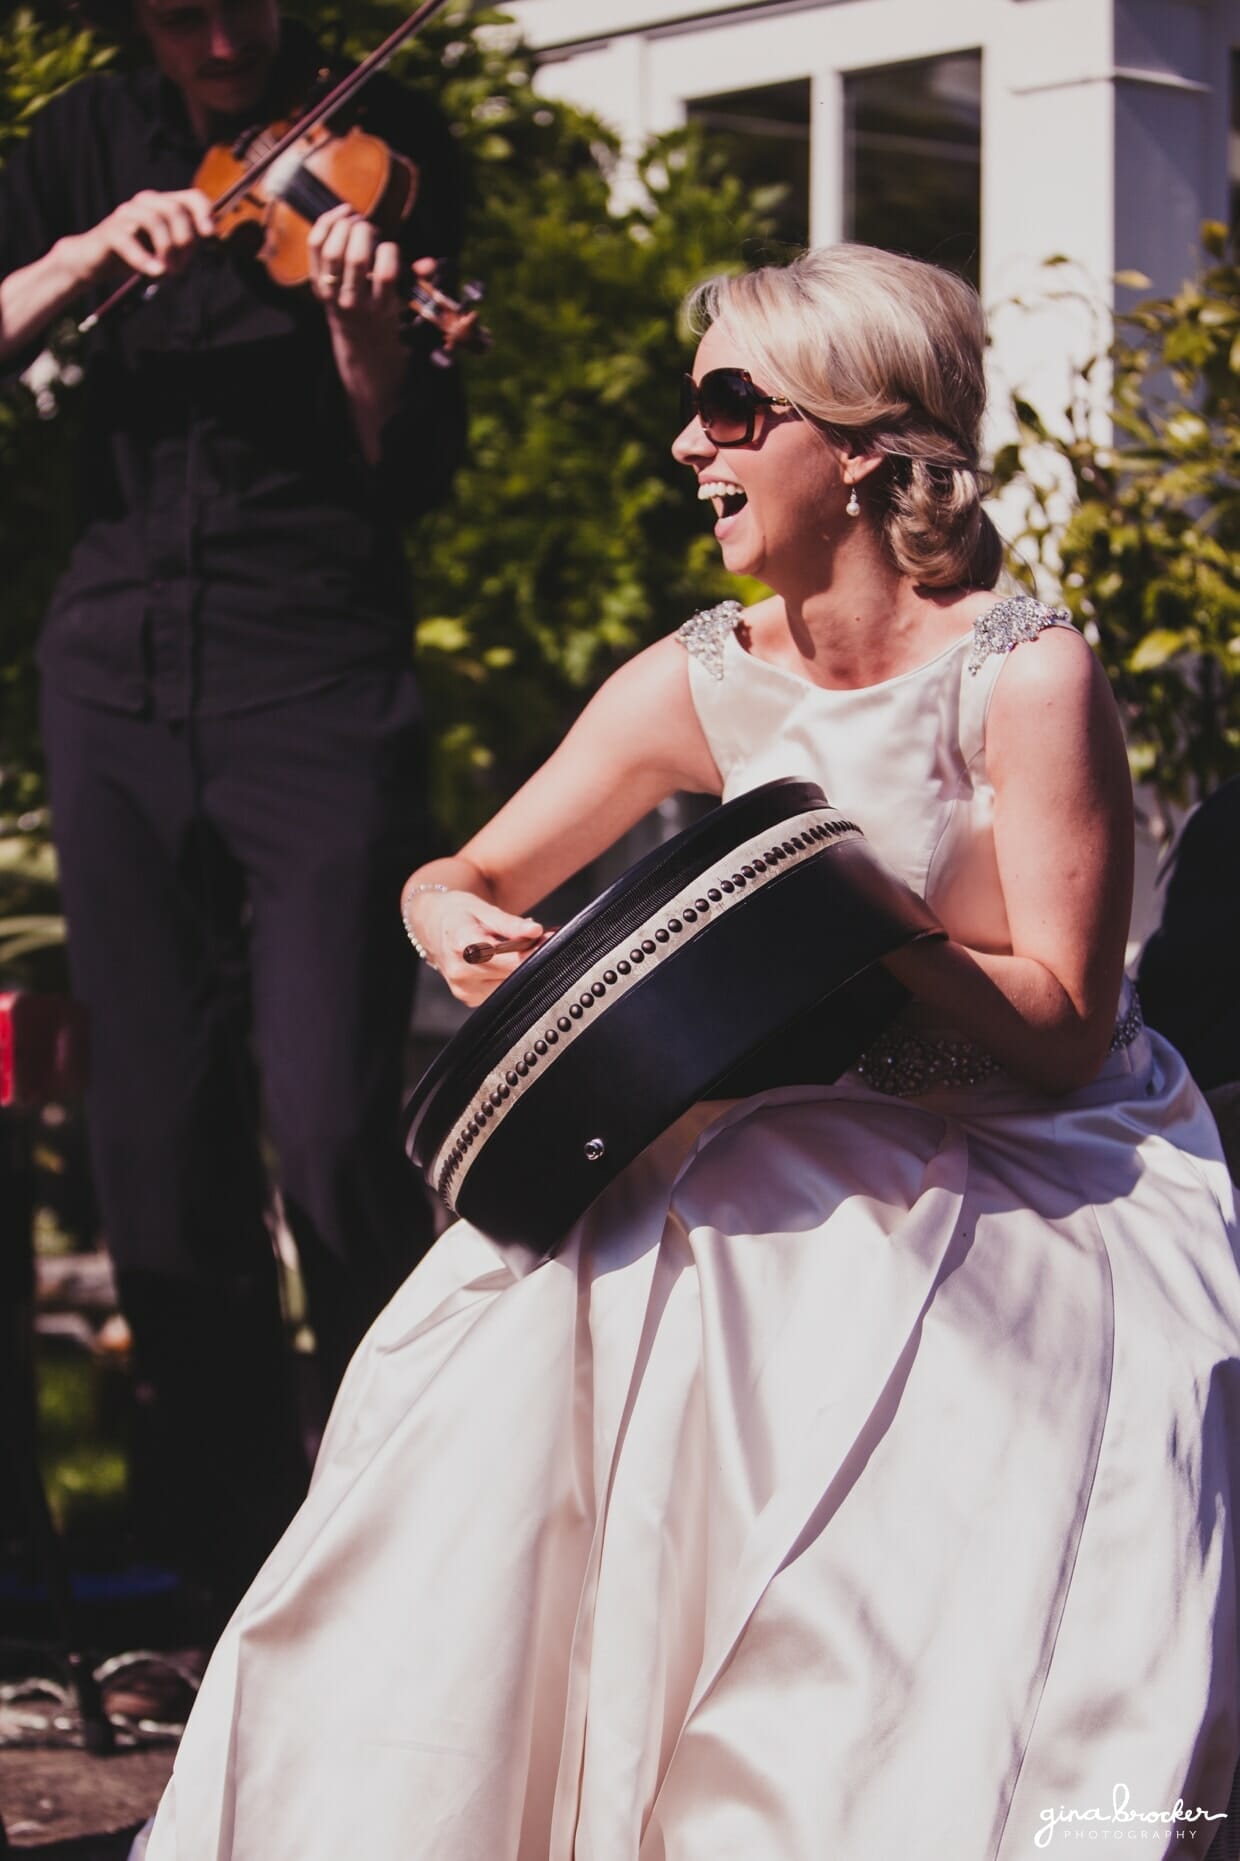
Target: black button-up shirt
234, 547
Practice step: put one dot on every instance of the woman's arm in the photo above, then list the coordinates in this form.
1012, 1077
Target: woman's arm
636, 742
1063, 837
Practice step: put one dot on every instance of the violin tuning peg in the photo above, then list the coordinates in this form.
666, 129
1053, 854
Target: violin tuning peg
473, 292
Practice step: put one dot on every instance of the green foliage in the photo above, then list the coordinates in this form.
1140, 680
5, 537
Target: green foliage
1149, 557
36, 61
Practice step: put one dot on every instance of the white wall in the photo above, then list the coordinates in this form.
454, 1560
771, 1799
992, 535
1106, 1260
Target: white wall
1104, 121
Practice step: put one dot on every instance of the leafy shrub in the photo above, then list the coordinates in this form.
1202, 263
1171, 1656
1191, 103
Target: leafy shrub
1149, 558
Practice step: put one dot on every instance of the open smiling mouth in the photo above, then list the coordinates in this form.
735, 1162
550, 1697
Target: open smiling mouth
726, 498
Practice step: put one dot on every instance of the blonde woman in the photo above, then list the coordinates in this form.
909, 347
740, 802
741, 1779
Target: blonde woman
859, 1478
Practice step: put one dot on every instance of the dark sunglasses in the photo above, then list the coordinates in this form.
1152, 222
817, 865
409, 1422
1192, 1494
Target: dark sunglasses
726, 404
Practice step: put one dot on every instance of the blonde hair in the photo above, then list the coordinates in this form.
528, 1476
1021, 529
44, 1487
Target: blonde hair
884, 353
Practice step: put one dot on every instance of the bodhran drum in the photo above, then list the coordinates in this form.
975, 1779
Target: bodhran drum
741, 955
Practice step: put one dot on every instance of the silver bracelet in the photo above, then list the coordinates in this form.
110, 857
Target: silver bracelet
407, 896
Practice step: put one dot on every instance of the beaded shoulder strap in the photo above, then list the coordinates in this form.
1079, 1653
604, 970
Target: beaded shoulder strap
705, 634
995, 633
1005, 625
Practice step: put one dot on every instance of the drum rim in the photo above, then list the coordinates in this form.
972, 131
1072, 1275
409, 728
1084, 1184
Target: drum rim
782, 797
815, 836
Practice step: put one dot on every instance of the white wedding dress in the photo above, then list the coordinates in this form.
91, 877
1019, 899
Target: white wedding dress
860, 1480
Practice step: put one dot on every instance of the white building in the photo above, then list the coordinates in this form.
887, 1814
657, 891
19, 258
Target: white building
989, 134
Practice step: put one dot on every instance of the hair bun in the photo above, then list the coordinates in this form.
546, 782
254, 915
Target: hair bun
935, 527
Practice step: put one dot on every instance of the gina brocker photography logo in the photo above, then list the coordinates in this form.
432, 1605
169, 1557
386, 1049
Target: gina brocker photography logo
1192, 1828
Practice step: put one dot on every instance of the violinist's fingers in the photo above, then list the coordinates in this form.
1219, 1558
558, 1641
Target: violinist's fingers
384, 273
198, 206
145, 217
358, 254
320, 229
134, 251
181, 230
328, 237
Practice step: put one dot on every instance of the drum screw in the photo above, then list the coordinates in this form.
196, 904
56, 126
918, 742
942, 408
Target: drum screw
595, 1150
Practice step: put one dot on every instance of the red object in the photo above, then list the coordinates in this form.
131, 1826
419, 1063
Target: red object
43, 1049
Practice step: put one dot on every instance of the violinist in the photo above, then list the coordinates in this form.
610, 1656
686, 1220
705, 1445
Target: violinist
233, 731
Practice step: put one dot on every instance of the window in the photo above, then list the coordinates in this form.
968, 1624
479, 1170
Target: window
913, 159
767, 130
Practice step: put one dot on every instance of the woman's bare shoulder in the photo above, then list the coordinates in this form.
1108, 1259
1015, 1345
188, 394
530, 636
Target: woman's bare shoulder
762, 628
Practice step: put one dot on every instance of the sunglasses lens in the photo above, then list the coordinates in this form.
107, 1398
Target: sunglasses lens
723, 401
726, 405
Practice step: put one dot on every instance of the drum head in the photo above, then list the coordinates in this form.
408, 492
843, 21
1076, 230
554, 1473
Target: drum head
738, 956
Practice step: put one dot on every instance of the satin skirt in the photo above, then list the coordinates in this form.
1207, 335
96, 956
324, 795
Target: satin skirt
861, 1478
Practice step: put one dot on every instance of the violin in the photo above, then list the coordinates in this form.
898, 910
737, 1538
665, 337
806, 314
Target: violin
319, 169
282, 177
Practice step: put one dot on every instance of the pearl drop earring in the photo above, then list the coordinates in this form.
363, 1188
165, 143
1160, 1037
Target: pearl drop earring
853, 507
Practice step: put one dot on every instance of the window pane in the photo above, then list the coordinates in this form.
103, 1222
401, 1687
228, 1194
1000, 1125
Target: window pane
767, 130
914, 159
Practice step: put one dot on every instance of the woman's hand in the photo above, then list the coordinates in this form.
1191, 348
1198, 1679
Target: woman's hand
448, 922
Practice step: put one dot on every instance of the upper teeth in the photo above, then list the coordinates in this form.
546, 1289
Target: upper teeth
717, 488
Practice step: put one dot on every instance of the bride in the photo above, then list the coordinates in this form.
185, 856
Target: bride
859, 1478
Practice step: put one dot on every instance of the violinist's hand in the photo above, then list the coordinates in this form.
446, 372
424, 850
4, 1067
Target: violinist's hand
446, 922
153, 234
354, 273
356, 276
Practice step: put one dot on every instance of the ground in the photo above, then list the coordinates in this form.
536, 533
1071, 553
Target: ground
63, 1805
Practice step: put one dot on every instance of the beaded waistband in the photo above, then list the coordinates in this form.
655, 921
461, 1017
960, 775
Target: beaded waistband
905, 1063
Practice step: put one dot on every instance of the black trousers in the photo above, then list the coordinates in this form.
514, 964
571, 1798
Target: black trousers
231, 886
